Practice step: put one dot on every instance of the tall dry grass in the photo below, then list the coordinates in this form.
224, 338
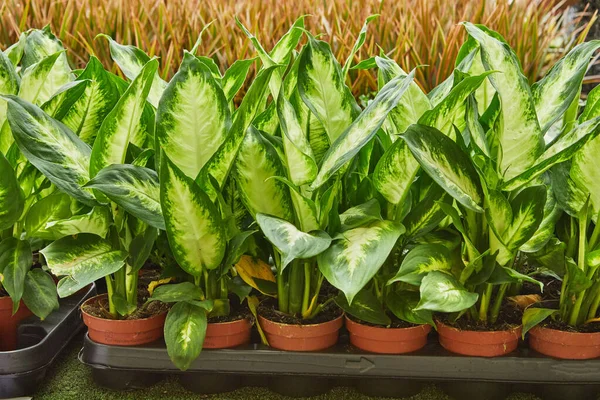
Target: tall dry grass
413, 32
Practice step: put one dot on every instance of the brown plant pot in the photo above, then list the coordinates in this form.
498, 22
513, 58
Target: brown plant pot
9, 323
565, 345
383, 340
122, 332
224, 335
478, 343
301, 337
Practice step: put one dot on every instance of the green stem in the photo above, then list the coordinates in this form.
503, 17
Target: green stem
485, 303
131, 283
574, 317
595, 304
498, 302
110, 289
307, 282
562, 303
282, 293
296, 282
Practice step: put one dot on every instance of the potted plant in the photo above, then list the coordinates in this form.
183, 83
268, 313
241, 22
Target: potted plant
124, 195
494, 175
567, 328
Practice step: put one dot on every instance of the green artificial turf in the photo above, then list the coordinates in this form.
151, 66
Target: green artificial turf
70, 380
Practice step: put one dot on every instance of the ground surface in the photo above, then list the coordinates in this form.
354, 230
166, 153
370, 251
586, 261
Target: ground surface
70, 380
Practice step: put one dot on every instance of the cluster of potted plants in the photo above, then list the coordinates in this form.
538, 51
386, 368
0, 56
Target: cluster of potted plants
294, 207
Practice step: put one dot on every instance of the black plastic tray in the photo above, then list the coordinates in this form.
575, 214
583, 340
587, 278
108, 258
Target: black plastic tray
304, 374
39, 343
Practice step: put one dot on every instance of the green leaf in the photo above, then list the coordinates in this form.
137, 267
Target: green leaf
136, 189
508, 275
52, 148
81, 260
301, 162
221, 162
363, 129
185, 329
545, 231
38, 44
395, 172
421, 260
592, 105
97, 221
234, 77
562, 150
357, 254
446, 163
577, 280
554, 93
257, 162
441, 292
534, 316
84, 113
427, 214
360, 40
196, 233
42, 79
361, 215
321, 86
520, 137
121, 124
527, 214
40, 293
132, 61
290, 241
15, 261
403, 303
56, 206
174, 293
187, 135
11, 196
365, 307
141, 246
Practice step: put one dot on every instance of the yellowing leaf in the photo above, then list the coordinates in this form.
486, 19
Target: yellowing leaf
154, 284
250, 268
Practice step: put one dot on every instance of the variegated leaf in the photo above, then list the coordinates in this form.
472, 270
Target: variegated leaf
196, 233
185, 329
52, 148
42, 79
301, 163
360, 40
40, 293
446, 163
135, 189
219, 165
357, 254
193, 117
63, 100
97, 221
520, 138
592, 105
132, 61
545, 231
256, 164
234, 77
363, 128
291, 242
395, 172
39, 44
421, 260
15, 261
562, 150
321, 86
553, 94
81, 260
9, 83
121, 123
54, 207
12, 199
443, 293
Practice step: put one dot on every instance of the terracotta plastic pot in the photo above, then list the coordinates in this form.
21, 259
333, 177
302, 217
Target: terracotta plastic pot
224, 335
301, 337
9, 323
566, 345
478, 343
122, 332
383, 340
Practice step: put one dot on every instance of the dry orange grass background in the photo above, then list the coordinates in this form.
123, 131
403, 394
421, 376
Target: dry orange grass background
413, 32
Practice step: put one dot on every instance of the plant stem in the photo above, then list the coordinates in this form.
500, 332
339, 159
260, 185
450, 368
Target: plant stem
307, 282
485, 302
110, 289
595, 304
131, 283
296, 282
498, 302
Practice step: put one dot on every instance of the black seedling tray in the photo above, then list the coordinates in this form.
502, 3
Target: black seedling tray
305, 374
39, 343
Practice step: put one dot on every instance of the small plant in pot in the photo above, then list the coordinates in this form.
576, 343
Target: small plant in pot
494, 169
125, 197
569, 329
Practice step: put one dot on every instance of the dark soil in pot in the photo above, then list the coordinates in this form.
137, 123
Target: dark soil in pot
509, 317
268, 309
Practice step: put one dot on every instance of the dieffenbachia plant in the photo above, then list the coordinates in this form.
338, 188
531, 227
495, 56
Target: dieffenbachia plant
495, 169
92, 140
576, 250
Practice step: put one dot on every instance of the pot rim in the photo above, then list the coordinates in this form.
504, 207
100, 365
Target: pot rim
237, 321
415, 327
545, 330
116, 321
439, 324
301, 325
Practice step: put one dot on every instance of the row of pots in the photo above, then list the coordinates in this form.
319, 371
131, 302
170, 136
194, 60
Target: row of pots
551, 342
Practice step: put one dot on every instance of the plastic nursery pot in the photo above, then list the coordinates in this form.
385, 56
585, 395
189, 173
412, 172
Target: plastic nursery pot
224, 335
383, 340
10, 322
312, 337
478, 343
122, 332
565, 345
